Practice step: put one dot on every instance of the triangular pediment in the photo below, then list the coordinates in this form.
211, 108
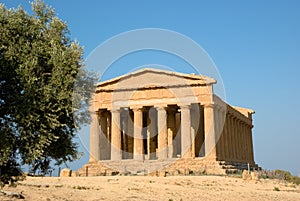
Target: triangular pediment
150, 77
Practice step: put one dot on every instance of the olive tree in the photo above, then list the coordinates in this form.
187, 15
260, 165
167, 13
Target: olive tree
39, 67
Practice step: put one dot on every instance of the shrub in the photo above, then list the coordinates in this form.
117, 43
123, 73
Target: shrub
279, 174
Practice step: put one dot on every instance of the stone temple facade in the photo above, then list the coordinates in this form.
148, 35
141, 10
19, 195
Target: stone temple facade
154, 121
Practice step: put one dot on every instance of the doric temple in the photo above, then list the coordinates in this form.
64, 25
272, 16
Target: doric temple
153, 120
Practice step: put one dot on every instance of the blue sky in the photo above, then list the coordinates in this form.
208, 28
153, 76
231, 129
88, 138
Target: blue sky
254, 44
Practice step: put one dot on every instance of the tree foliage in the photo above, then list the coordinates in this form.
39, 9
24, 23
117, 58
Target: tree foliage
39, 64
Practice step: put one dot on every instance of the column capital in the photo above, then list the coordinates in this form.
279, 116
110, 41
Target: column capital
114, 110
243, 122
249, 125
238, 119
234, 117
220, 108
209, 105
136, 108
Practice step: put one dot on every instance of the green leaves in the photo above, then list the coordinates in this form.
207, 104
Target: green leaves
39, 65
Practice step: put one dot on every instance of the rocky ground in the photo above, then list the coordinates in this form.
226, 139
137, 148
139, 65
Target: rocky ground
151, 188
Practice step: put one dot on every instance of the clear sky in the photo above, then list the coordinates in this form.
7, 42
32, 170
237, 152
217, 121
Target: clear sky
254, 44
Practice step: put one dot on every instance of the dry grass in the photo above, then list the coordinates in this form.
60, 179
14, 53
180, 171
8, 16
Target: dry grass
153, 188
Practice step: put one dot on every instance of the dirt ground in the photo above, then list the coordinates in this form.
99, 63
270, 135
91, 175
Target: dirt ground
171, 188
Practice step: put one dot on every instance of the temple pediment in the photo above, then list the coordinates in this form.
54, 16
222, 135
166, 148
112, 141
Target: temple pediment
151, 78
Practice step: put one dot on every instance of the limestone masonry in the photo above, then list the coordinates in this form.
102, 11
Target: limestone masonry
152, 121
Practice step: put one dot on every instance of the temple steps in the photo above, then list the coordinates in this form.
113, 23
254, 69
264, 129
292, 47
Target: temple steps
182, 166
235, 167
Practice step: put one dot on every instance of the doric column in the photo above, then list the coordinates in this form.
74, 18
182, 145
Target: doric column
234, 138
218, 126
248, 143
186, 140
217, 131
245, 145
138, 136
171, 130
94, 138
222, 131
238, 140
245, 142
251, 143
223, 135
227, 137
116, 153
162, 132
231, 136
241, 140
210, 135
247, 150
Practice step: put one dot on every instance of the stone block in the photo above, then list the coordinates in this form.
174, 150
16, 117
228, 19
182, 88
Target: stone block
74, 174
246, 175
162, 173
152, 174
65, 172
254, 176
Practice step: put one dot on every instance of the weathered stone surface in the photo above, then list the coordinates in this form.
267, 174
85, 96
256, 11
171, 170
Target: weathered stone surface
170, 167
246, 175
74, 174
145, 120
152, 174
65, 172
254, 175
162, 173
